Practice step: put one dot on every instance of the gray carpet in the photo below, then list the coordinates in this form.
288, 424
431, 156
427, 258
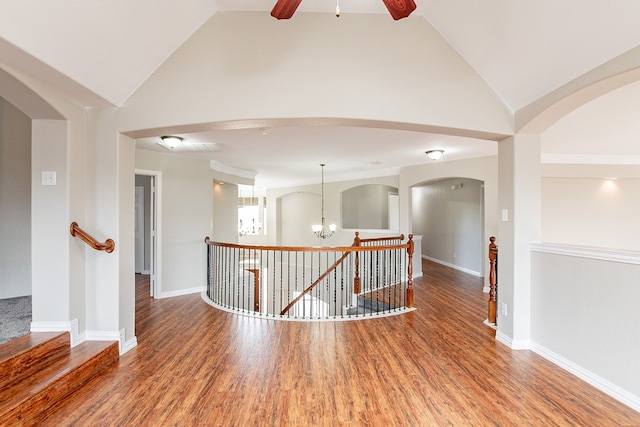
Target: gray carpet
15, 318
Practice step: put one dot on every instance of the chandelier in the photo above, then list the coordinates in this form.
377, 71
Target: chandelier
320, 230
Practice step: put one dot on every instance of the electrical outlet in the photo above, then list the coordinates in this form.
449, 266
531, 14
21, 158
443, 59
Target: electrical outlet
503, 308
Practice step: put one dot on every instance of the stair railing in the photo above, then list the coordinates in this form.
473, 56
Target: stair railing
357, 241
108, 246
270, 280
493, 279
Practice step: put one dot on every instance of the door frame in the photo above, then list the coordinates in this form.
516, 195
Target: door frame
155, 236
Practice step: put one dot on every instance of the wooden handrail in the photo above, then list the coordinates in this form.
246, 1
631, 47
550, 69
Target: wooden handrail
380, 239
108, 246
493, 281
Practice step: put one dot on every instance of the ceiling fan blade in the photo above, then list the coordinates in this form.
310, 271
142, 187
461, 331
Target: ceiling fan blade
284, 9
400, 8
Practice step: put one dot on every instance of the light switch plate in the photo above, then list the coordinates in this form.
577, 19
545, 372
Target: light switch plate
48, 178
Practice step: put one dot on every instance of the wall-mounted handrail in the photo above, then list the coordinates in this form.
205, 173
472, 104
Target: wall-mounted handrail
108, 246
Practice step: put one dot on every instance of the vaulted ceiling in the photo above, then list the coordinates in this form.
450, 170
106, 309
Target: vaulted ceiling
101, 52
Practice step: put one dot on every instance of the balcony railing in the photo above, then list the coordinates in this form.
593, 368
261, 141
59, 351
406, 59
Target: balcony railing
373, 277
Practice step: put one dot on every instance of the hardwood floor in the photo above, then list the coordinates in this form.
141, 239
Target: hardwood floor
437, 366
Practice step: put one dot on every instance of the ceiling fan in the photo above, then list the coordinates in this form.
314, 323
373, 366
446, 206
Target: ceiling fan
284, 9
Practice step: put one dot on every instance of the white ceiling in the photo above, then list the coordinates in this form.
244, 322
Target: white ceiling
287, 156
101, 52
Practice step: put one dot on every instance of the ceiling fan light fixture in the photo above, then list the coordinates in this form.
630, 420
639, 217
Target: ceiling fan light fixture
171, 141
434, 154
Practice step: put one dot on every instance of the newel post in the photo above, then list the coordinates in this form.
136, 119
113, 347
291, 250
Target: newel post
493, 269
356, 279
410, 272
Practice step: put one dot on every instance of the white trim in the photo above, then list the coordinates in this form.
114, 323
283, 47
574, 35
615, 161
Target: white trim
123, 345
601, 254
598, 382
513, 344
491, 325
181, 292
455, 267
146, 272
70, 326
590, 159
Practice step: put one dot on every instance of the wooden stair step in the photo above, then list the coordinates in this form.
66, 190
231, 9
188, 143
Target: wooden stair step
19, 357
27, 401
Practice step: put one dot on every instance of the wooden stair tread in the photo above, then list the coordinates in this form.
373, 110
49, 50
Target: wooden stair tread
24, 343
54, 378
23, 355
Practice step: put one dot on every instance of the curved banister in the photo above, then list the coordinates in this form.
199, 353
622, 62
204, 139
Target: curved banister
108, 246
208, 241
228, 262
357, 247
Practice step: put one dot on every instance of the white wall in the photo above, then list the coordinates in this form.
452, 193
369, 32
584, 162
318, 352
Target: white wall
304, 210
450, 220
591, 211
585, 317
50, 269
357, 67
187, 212
15, 202
225, 213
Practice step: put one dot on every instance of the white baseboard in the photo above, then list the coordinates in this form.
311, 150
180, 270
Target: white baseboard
80, 337
119, 336
511, 343
598, 382
456, 267
69, 326
181, 292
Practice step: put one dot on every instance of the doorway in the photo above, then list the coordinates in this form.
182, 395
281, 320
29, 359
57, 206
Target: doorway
148, 227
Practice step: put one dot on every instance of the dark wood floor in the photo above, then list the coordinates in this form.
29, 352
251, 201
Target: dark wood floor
437, 366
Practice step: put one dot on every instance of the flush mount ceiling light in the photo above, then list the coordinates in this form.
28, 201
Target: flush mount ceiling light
171, 141
434, 154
